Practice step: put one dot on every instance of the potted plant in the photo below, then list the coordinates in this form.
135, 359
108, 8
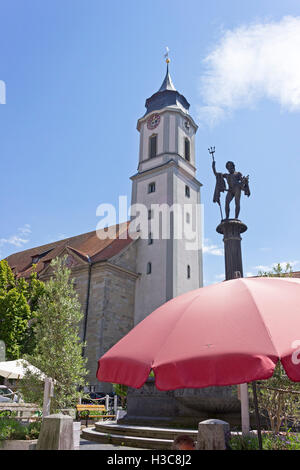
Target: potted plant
15, 435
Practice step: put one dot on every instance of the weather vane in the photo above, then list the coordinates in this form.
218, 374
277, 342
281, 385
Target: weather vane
166, 55
236, 183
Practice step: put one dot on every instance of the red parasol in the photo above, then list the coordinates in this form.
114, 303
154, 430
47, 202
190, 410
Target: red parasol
225, 334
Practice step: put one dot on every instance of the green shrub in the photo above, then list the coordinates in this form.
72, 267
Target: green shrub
14, 429
33, 430
239, 442
5, 429
287, 441
7, 413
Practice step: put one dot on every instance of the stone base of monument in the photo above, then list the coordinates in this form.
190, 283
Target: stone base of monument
56, 433
138, 437
148, 406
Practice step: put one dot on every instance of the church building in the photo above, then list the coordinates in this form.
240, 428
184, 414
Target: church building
122, 280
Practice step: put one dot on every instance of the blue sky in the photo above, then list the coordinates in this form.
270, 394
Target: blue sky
77, 74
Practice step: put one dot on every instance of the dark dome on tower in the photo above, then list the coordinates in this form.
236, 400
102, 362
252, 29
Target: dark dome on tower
167, 95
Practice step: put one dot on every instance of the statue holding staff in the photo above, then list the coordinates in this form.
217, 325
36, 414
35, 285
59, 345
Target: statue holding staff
236, 183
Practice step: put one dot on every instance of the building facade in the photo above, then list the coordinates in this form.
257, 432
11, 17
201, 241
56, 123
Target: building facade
120, 281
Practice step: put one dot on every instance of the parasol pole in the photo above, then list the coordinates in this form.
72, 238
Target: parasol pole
245, 409
244, 395
257, 415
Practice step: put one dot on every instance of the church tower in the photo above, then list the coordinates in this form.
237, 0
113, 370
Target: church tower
169, 264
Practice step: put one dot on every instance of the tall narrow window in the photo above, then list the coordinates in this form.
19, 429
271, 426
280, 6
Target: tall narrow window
187, 149
188, 271
153, 146
151, 188
149, 214
187, 191
188, 218
150, 239
149, 268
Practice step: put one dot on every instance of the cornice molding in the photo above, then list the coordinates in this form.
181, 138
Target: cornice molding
158, 169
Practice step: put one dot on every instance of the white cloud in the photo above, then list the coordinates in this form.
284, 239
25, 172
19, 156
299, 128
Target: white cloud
211, 249
13, 240
266, 248
220, 277
25, 230
250, 63
19, 239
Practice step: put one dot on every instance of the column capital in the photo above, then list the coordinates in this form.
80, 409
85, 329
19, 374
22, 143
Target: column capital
231, 228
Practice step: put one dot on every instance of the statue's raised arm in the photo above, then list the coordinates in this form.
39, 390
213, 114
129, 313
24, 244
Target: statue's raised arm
220, 186
214, 166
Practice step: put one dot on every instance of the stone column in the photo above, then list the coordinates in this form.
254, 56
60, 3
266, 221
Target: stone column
231, 229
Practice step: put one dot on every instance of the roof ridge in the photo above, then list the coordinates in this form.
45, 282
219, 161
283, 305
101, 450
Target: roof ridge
86, 245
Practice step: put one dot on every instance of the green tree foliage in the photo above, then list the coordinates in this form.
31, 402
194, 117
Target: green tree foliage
18, 300
278, 271
279, 397
58, 352
279, 400
121, 391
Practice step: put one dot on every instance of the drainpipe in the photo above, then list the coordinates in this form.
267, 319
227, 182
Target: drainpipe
87, 305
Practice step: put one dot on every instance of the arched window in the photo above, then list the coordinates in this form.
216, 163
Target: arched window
153, 146
187, 149
151, 188
187, 191
188, 271
149, 268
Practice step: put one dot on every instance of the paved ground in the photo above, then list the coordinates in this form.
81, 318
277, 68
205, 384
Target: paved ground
90, 445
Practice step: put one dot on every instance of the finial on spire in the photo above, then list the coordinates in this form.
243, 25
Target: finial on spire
167, 83
166, 55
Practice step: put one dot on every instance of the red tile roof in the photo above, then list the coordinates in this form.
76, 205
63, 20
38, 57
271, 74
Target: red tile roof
87, 245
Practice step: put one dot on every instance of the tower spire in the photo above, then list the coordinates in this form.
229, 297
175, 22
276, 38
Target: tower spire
167, 95
167, 84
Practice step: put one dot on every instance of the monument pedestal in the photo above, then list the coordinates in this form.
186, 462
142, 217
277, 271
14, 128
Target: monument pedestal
148, 406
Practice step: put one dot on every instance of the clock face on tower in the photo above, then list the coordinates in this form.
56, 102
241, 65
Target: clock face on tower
153, 121
187, 125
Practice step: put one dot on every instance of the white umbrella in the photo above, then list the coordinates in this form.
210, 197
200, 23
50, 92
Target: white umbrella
17, 369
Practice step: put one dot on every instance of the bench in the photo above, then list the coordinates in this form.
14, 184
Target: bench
19, 411
92, 411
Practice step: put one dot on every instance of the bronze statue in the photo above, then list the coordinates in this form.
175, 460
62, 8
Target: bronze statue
236, 184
